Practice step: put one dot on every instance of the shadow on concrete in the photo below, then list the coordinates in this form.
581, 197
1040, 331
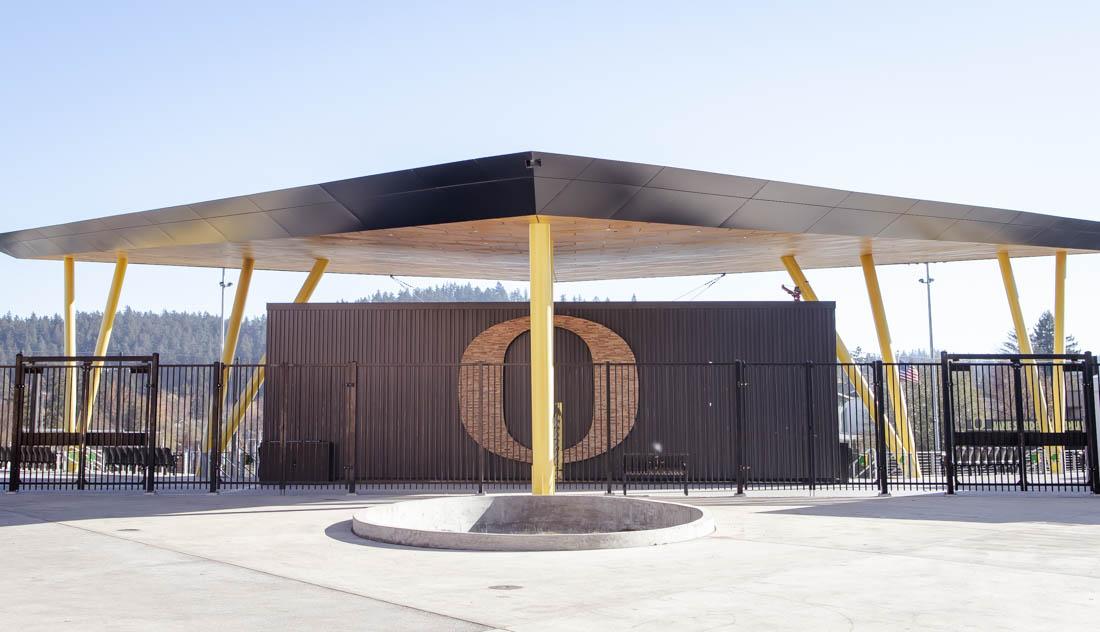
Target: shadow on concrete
31, 508
24, 508
987, 509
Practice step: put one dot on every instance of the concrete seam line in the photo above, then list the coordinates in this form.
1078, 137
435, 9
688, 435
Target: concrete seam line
249, 568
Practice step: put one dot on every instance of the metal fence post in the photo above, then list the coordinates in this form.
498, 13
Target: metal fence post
153, 386
810, 476
947, 417
83, 419
16, 458
483, 416
353, 421
1093, 450
215, 433
882, 455
281, 381
607, 419
738, 410
1018, 397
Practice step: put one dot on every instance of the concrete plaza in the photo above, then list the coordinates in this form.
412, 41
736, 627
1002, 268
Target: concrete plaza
250, 562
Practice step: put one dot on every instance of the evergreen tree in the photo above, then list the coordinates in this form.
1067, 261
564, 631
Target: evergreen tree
1041, 337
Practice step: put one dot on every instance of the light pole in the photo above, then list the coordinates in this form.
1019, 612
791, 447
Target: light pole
927, 281
221, 320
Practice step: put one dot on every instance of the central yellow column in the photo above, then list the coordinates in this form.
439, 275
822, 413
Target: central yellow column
70, 343
541, 246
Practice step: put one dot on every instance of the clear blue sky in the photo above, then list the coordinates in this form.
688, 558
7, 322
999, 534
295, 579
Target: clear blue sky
119, 106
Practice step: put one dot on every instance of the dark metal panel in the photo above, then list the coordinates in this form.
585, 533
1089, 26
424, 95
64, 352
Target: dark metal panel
618, 172
759, 214
289, 198
482, 200
408, 424
527, 182
327, 218
706, 182
581, 198
667, 206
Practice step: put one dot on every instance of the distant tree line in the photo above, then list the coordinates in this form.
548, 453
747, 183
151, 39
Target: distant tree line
179, 337
189, 337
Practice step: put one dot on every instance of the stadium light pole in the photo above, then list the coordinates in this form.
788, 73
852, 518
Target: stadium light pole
927, 282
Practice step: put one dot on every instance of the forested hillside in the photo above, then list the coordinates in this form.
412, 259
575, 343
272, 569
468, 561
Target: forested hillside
182, 337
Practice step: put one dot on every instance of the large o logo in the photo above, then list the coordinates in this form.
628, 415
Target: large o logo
481, 388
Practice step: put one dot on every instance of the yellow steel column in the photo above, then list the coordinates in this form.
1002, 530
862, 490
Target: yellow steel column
1059, 379
106, 326
1023, 342
233, 330
69, 314
542, 358
893, 376
847, 364
236, 314
240, 407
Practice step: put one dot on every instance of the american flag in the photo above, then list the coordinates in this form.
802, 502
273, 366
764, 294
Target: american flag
909, 374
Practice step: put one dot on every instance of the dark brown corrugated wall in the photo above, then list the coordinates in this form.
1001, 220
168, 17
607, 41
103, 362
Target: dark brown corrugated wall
407, 423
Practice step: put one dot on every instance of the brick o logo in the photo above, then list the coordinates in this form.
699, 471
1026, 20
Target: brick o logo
481, 389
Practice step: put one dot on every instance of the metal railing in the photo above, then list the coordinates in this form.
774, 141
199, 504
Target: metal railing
964, 423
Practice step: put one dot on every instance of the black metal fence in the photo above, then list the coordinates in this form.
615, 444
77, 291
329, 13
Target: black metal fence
965, 423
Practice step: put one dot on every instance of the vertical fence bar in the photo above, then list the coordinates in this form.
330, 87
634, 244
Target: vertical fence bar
1021, 447
352, 393
881, 454
1092, 450
280, 380
85, 371
810, 477
947, 417
16, 457
152, 386
482, 417
214, 456
607, 421
738, 412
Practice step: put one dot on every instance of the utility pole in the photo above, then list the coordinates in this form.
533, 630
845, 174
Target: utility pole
221, 321
927, 282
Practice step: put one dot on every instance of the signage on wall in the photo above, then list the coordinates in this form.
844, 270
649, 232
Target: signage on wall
481, 388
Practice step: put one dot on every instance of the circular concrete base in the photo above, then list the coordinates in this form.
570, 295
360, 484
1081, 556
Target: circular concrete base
532, 523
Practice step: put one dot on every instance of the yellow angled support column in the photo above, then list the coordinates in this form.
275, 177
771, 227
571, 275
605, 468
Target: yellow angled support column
1023, 342
233, 328
252, 388
541, 245
1059, 378
69, 314
893, 377
236, 314
103, 341
863, 390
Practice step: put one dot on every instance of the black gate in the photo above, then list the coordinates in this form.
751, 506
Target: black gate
1020, 422
84, 422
